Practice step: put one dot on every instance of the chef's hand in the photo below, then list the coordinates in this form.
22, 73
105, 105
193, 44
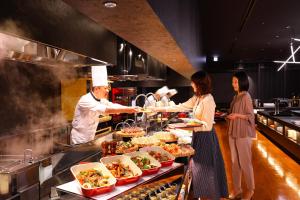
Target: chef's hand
132, 110
232, 116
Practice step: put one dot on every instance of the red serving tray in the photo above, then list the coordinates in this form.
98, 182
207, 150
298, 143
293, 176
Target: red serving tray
167, 163
124, 181
147, 172
97, 191
89, 192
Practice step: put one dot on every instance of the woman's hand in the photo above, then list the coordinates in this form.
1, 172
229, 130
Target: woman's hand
232, 116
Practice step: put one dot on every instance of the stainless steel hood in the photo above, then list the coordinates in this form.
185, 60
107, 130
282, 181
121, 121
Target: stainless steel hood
22, 50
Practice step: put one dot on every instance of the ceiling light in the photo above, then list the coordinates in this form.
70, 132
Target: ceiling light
110, 4
216, 58
287, 60
121, 47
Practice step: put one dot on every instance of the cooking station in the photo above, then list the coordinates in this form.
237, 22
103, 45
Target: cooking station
31, 176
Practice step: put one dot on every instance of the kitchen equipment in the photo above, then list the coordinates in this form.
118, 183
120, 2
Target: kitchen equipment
256, 103
18, 173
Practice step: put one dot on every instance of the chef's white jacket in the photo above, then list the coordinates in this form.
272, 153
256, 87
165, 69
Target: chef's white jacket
86, 118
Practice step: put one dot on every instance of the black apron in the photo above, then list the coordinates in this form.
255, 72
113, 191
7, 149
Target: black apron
209, 176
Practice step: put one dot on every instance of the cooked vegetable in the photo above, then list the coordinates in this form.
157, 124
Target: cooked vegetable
158, 156
142, 162
119, 170
92, 178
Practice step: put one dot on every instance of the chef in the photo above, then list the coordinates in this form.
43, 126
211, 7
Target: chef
93, 104
152, 99
159, 99
166, 98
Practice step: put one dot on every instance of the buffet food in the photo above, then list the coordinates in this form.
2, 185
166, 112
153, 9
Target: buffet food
165, 136
179, 150
192, 122
119, 170
164, 157
186, 150
173, 149
93, 178
131, 132
126, 147
145, 141
108, 147
149, 109
145, 162
122, 168
142, 162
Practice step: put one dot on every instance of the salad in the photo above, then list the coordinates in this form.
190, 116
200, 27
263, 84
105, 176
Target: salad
142, 162
92, 178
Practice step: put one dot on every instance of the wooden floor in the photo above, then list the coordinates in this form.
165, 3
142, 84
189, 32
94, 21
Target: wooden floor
277, 176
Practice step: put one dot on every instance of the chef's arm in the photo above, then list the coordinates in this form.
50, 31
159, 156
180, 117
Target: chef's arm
121, 109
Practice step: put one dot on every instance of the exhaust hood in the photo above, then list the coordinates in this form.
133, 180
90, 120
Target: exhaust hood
22, 50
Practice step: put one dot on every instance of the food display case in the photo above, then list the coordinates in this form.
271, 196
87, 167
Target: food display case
148, 168
282, 130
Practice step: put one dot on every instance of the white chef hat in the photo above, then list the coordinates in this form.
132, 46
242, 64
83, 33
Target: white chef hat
162, 91
99, 76
172, 92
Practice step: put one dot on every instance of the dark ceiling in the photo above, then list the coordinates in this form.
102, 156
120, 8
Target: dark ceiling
246, 31
249, 31
238, 31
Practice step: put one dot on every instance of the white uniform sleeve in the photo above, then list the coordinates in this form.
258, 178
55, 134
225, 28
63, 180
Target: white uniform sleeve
111, 105
90, 104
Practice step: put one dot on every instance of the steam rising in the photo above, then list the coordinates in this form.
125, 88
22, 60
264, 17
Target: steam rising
30, 101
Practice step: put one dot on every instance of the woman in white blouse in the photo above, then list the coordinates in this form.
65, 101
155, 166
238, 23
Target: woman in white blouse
209, 177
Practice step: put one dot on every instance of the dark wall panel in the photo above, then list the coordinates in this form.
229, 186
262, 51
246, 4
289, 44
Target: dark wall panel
265, 83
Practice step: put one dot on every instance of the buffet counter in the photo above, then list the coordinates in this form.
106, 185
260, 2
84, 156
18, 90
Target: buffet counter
282, 130
175, 171
159, 179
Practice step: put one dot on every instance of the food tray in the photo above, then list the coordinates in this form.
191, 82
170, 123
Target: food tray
167, 133
153, 161
138, 134
98, 190
127, 161
135, 147
152, 143
186, 150
162, 151
184, 125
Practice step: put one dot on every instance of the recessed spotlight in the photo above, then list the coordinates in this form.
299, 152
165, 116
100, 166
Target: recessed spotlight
110, 4
277, 36
216, 58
